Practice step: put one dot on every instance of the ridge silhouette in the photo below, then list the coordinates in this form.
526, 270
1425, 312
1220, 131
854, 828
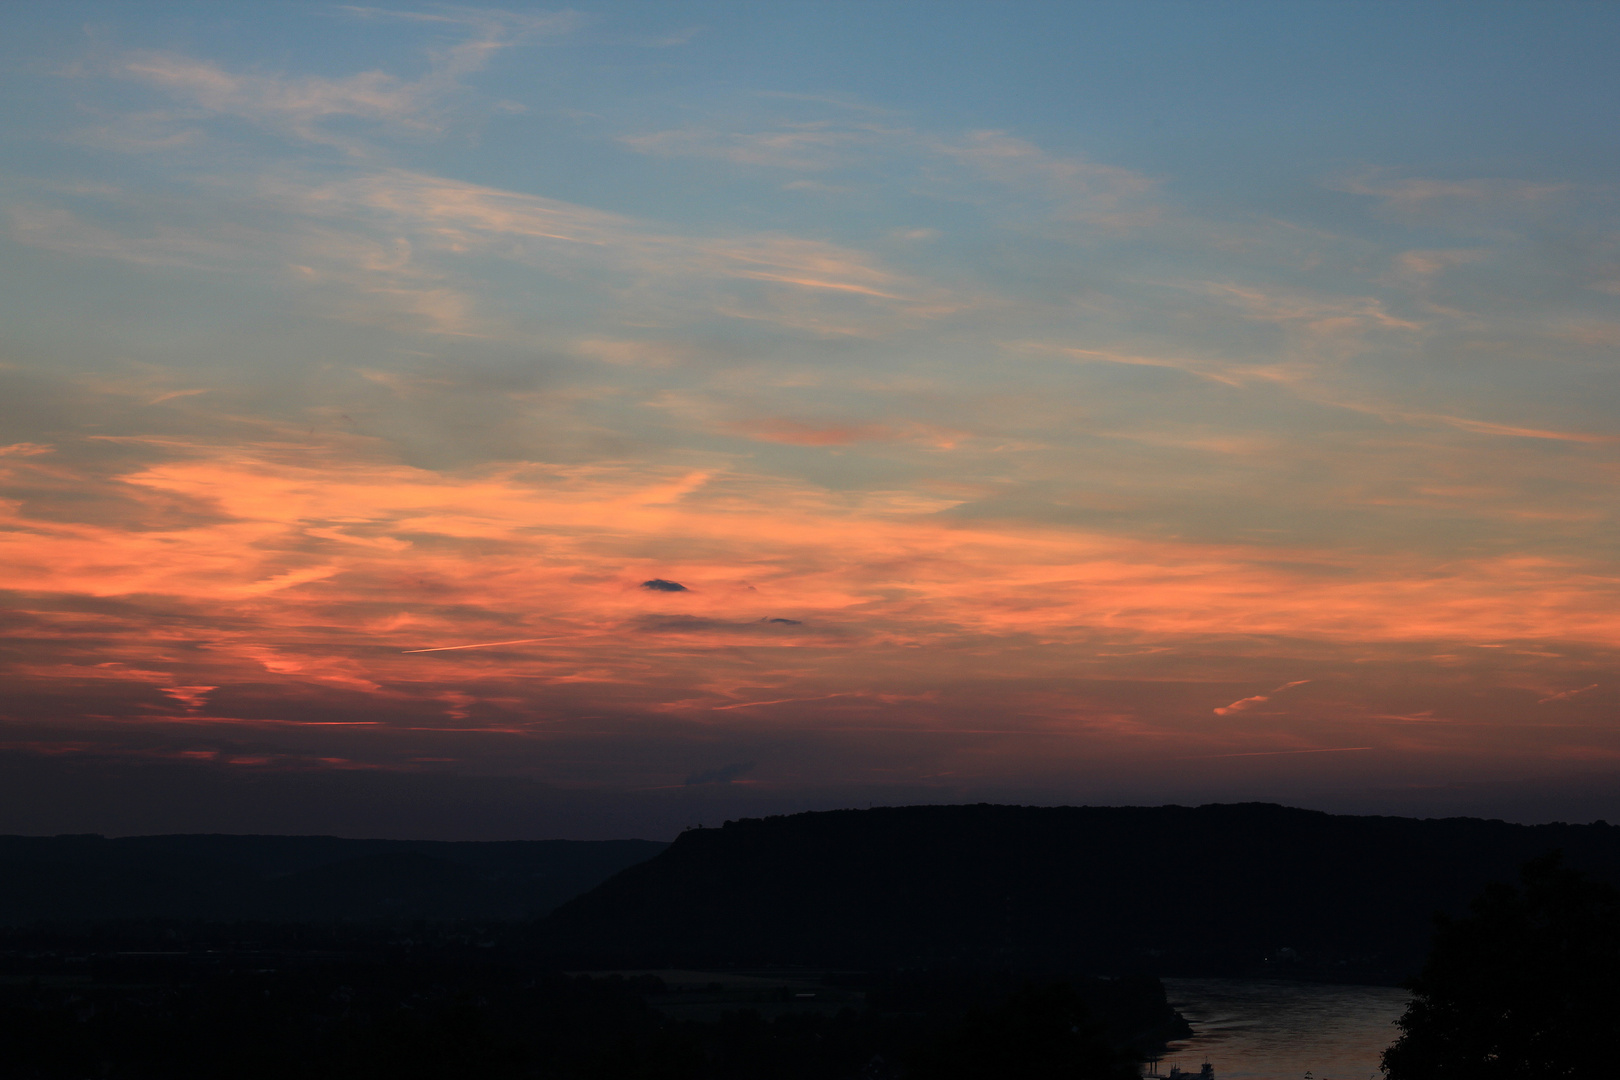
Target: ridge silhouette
1220, 890
227, 878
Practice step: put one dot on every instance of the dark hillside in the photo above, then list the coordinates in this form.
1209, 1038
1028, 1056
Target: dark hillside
225, 878
1221, 889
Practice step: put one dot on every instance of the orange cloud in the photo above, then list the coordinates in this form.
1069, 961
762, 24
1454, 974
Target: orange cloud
319, 590
297, 523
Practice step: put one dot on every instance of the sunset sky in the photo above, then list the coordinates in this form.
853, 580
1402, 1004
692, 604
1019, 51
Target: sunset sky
466, 422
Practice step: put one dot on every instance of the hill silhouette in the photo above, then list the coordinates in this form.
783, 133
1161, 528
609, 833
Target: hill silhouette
227, 878
1221, 889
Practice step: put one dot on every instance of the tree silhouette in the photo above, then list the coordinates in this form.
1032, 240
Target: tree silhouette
1522, 988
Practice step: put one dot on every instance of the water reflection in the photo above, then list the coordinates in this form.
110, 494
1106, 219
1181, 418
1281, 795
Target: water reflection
1252, 1029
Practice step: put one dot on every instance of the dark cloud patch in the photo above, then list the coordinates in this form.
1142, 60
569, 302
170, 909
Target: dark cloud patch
698, 624
725, 774
658, 584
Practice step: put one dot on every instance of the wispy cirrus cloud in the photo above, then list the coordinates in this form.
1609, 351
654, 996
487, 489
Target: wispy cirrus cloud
992, 168
1067, 189
299, 106
389, 246
304, 105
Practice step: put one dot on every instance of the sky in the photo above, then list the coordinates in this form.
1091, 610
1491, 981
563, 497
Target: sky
511, 423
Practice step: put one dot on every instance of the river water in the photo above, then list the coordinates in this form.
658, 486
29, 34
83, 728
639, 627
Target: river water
1252, 1029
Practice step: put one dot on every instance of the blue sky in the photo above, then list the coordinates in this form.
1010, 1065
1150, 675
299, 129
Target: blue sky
1027, 396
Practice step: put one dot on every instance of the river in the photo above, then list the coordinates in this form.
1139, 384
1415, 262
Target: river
1253, 1029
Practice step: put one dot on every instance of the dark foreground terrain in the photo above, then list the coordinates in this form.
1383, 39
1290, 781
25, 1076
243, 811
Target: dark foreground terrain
149, 1000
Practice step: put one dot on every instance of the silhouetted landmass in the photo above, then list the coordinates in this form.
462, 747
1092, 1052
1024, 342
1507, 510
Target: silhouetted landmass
224, 878
915, 943
1222, 889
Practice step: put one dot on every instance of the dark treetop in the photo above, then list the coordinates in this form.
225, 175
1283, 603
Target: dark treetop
1523, 986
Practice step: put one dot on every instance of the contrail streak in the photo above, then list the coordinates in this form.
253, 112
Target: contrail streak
483, 645
777, 701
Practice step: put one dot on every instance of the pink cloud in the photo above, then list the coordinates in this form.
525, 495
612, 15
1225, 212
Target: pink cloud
1242, 705
192, 697
1565, 695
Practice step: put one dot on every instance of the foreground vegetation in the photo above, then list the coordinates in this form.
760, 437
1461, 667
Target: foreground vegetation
286, 1001
1524, 986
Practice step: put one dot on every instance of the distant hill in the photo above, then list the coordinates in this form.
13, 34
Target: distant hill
227, 878
1222, 889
